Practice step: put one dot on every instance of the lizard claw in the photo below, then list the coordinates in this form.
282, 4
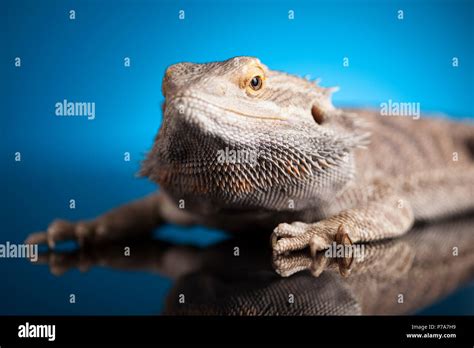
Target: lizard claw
61, 230
317, 243
319, 264
345, 263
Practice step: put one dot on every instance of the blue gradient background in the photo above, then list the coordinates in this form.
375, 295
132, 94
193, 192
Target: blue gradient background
82, 60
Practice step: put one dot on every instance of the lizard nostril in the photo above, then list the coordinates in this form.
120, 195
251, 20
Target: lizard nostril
318, 114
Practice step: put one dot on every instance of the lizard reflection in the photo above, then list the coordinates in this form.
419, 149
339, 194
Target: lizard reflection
424, 265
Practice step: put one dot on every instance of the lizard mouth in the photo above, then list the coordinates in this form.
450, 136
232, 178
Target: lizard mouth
201, 104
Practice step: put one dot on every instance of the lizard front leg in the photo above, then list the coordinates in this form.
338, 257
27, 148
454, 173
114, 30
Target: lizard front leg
131, 220
383, 216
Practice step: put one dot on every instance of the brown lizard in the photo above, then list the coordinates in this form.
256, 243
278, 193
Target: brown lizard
244, 146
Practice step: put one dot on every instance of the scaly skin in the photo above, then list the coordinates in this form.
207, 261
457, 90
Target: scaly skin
317, 169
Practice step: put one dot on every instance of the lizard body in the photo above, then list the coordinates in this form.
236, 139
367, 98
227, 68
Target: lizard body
309, 170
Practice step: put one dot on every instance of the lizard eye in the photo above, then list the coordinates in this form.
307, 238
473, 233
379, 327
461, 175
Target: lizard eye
253, 80
256, 83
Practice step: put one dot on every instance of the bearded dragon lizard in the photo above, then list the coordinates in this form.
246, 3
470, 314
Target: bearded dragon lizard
311, 173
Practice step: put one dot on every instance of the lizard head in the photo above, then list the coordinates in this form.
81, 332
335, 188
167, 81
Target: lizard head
235, 132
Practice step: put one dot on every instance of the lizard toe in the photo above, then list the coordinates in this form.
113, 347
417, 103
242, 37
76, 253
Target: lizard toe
289, 237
